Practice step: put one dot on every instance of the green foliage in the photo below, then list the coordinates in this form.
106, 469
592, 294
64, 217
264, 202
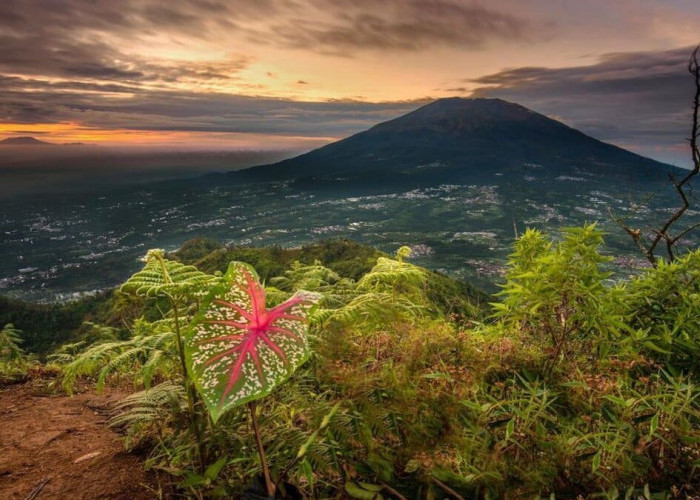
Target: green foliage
557, 292
150, 352
153, 348
47, 326
151, 413
68, 352
314, 277
664, 305
575, 386
10, 340
196, 249
161, 277
393, 290
14, 362
345, 257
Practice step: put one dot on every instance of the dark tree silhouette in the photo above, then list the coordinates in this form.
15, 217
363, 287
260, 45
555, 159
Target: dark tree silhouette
649, 244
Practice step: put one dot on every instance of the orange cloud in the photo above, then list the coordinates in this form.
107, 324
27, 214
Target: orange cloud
72, 132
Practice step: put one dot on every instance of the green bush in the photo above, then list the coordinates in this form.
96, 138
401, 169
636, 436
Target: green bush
663, 304
556, 293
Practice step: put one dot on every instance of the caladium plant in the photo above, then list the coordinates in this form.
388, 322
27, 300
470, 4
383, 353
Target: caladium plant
237, 349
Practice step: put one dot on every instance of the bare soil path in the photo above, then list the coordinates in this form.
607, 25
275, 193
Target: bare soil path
60, 447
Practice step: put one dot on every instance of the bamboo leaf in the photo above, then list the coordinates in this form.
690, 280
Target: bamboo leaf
595, 465
356, 491
510, 428
653, 424
213, 470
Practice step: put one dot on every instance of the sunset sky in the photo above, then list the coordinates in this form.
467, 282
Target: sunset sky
298, 73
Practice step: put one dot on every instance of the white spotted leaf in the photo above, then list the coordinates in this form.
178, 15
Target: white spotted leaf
237, 350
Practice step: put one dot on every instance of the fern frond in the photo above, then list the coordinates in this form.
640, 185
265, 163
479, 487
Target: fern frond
372, 307
315, 278
127, 358
101, 332
155, 406
151, 366
144, 355
10, 339
390, 273
162, 277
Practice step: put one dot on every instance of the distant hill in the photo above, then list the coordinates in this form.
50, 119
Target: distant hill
455, 139
32, 141
24, 141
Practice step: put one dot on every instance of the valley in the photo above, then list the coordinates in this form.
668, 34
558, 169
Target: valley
59, 247
455, 180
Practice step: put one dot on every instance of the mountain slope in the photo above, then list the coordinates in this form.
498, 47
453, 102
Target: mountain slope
454, 138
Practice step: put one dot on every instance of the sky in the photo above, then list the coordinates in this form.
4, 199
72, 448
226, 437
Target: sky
296, 74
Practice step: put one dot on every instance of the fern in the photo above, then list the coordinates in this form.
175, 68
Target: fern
98, 334
151, 350
369, 308
388, 273
10, 340
150, 411
161, 277
66, 353
316, 278
391, 291
154, 401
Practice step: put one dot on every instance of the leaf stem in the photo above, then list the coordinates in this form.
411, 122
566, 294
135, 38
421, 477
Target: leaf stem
269, 485
446, 488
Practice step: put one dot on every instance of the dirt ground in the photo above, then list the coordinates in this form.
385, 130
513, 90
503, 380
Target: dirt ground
62, 447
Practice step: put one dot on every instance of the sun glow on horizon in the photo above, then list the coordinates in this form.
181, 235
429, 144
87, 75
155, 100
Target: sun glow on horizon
66, 133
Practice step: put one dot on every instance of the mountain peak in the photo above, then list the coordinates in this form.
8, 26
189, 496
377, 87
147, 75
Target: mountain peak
23, 141
457, 114
470, 102
456, 139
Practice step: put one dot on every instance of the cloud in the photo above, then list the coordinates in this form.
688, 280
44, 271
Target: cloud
95, 105
70, 61
402, 25
87, 38
91, 39
633, 99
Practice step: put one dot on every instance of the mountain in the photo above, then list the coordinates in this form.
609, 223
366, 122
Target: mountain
454, 139
24, 141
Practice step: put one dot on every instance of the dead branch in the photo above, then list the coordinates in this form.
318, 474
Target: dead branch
682, 187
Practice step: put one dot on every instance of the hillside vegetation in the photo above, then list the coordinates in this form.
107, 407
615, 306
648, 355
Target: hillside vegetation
46, 327
413, 386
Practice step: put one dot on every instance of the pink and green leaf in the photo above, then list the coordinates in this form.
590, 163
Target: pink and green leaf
238, 350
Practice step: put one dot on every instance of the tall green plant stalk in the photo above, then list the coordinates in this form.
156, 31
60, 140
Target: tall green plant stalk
178, 284
190, 392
